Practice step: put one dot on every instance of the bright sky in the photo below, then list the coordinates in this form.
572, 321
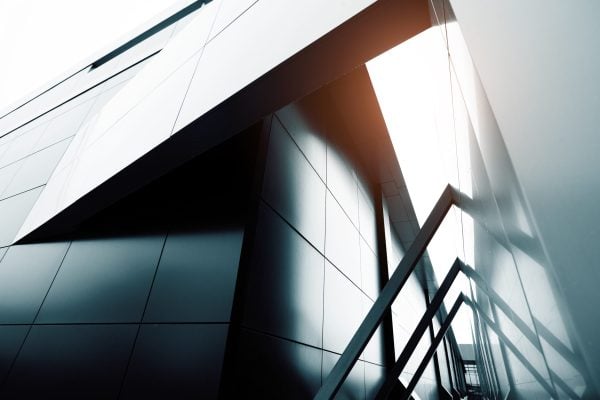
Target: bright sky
41, 39
413, 89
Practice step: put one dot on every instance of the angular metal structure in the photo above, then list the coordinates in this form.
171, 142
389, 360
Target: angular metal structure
218, 207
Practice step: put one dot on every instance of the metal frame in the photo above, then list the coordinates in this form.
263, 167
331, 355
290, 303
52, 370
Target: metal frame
413, 341
383, 303
487, 320
433, 348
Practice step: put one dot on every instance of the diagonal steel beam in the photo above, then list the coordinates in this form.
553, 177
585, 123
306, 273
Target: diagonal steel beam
418, 332
388, 295
511, 346
575, 361
433, 348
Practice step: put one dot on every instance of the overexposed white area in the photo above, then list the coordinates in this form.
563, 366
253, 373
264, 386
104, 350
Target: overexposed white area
40, 40
413, 87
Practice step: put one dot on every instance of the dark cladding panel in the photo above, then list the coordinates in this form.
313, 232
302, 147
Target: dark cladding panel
354, 385
293, 188
342, 244
272, 368
11, 338
176, 362
196, 277
26, 272
71, 362
285, 283
103, 280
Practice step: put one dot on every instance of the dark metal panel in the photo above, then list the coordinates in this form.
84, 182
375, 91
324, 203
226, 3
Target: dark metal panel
26, 272
273, 368
103, 280
71, 362
293, 188
196, 276
176, 361
11, 339
284, 293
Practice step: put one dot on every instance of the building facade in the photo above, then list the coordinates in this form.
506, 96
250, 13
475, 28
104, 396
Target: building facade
214, 207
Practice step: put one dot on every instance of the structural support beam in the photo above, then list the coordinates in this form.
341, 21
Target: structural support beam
367, 328
573, 358
433, 348
417, 334
511, 346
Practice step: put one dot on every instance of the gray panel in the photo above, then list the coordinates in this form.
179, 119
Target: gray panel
64, 125
285, 283
343, 310
369, 269
13, 212
374, 377
293, 188
342, 242
4, 144
23, 144
375, 351
354, 385
7, 174
408, 308
71, 362
11, 338
103, 280
303, 124
26, 272
366, 216
272, 368
196, 277
176, 361
342, 183
36, 169
441, 357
